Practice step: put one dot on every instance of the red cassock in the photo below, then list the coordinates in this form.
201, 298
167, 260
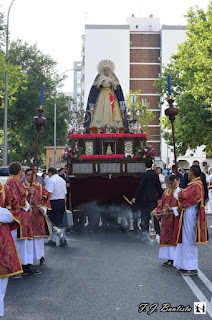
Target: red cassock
25, 229
9, 259
169, 224
193, 194
40, 198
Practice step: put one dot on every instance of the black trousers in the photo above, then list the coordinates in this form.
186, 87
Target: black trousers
57, 212
146, 209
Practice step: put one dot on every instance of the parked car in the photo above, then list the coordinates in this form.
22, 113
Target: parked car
4, 171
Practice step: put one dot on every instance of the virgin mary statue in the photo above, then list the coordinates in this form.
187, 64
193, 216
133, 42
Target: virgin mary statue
105, 95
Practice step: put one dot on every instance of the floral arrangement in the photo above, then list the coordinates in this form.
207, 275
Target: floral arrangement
145, 152
72, 153
105, 128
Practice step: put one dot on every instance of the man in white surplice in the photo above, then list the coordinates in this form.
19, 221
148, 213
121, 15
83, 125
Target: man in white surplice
192, 226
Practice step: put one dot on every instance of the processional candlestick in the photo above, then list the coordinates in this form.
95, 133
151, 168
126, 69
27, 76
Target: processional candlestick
171, 112
38, 122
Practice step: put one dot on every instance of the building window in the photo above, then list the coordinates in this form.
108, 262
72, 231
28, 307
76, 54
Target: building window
136, 26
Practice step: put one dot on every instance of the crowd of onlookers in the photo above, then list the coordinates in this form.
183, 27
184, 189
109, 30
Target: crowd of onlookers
206, 177
165, 172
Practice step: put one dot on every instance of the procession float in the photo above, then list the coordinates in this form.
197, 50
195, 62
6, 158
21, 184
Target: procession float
107, 147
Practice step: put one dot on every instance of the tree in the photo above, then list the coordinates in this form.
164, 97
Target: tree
147, 116
191, 73
38, 68
16, 78
2, 30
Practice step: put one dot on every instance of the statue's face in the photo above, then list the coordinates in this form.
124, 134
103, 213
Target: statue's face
107, 72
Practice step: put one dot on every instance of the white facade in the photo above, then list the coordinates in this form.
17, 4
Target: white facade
77, 81
107, 42
171, 36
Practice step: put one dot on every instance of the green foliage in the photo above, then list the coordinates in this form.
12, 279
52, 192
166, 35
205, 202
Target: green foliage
2, 30
16, 78
37, 68
191, 77
147, 116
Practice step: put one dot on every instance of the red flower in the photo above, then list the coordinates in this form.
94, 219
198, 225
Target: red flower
103, 156
107, 135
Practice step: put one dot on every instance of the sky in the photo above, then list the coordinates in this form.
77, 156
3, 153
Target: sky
57, 26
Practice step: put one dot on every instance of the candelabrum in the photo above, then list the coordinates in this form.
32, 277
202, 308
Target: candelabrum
132, 115
79, 116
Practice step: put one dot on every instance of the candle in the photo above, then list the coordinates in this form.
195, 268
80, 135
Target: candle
81, 102
169, 85
133, 100
122, 107
91, 106
42, 94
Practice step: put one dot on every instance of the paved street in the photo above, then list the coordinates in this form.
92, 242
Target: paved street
106, 276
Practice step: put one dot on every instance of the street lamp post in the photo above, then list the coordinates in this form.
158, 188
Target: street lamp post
6, 91
55, 112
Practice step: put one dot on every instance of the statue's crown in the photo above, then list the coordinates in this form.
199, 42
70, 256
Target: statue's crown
105, 64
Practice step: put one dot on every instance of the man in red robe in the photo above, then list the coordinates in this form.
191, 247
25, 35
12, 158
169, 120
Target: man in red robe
10, 264
166, 210
39, 201
23, 236
192, 224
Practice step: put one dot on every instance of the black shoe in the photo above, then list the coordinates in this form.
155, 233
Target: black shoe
42, 261
34, 272
26, 270
168, 263
26, 273
63, 244
180, 270
50, 243
16, 276
190, 273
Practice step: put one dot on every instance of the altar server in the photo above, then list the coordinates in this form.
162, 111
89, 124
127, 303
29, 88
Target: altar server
39, 201
166, 211
23, 236
192, 224
10, 264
